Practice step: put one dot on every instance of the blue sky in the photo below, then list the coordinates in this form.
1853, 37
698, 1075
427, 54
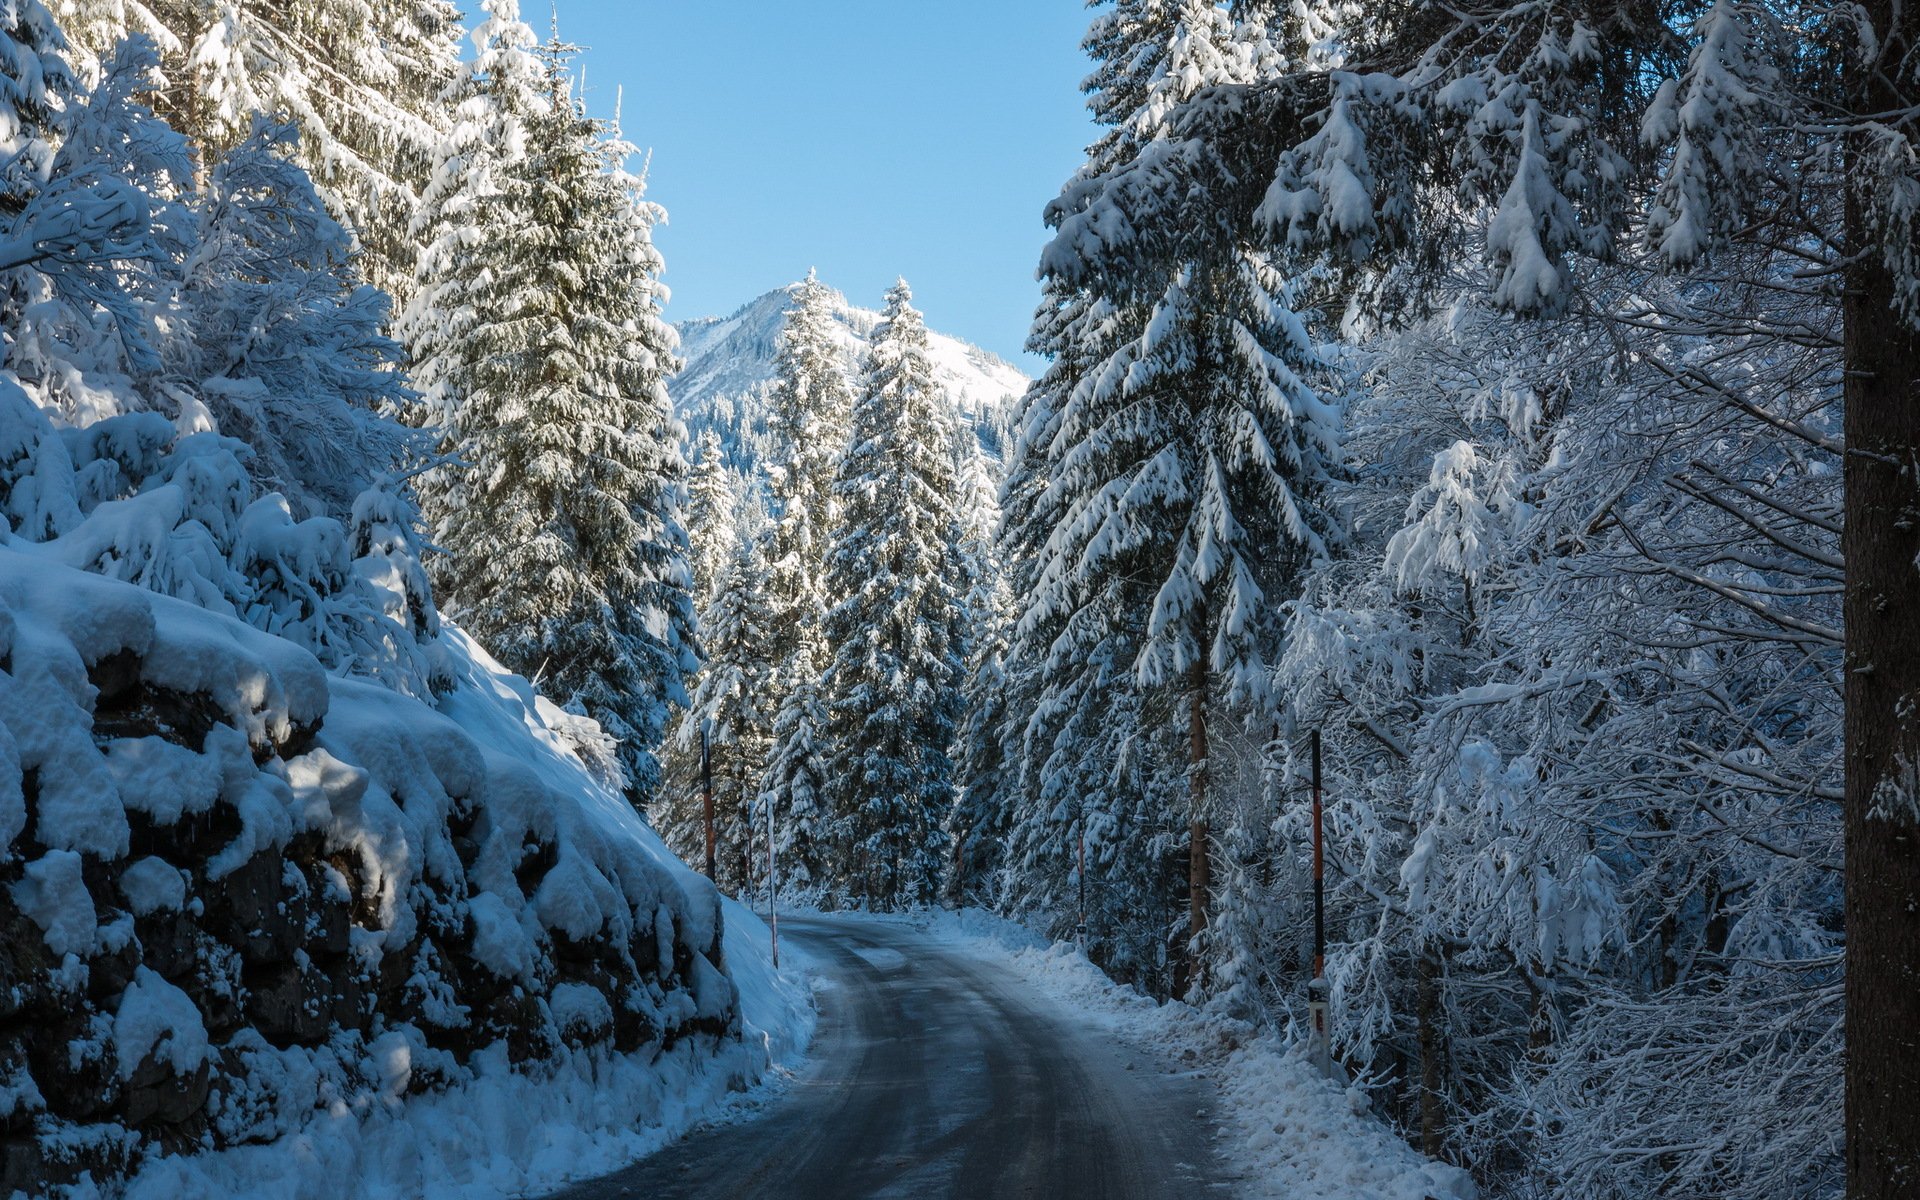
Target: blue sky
867, 138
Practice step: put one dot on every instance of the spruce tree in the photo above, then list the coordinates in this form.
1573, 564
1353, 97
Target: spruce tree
896, 630
35, 84
717, 516
364, 82
795, 783
1579, 148
732, 700
538, 329
983, 803
812, 401
466, 220
713, 518
1185, 441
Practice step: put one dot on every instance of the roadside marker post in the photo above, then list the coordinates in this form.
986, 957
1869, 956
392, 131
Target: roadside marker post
1080, 926
706, 804
773, 892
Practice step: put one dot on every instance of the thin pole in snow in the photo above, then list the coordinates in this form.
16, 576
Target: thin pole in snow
1080, 926
1318, 989
706, 804
773, 911
1319, 872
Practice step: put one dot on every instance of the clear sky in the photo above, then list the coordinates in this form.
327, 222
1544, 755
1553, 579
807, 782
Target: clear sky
868, 138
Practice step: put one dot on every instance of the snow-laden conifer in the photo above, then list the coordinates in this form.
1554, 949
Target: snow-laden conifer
809, 408
289, 354
733, 703
983, 802
538, 328
184, 351
896, 630
1519, 674
363, 81
796, 781
466, 218
713, 518
811, 404
96, 226
35, 83
1185, 434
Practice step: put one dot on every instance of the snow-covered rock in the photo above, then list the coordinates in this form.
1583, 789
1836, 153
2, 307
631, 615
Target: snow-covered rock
730, 364
218, 853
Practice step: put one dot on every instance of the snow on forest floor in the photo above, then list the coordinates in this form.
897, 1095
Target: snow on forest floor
508, 1133
1284, 1131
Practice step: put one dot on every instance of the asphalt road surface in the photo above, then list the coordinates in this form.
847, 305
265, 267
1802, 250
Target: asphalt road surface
935, 1074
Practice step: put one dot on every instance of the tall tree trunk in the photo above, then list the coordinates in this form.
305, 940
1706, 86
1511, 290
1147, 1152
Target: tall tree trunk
1882, 610
194, 118
1433, 1118
743, 860
1199, 833
957, 876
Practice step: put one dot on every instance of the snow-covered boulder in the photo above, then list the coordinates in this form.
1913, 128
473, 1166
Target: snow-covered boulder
230, 879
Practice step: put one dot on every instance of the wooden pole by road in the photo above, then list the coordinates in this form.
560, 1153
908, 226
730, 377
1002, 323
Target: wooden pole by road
706, 787
773, 889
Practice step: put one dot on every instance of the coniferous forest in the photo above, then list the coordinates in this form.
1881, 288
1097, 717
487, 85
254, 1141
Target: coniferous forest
1470, 479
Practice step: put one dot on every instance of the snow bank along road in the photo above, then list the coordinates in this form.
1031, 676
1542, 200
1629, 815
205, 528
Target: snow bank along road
937, 1074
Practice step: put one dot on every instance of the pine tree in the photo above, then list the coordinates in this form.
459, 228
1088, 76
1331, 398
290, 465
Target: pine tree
363, 81
897, 630
713, 518
538, 329
35, 84
983, 806
811, 406
1185, 439
732, 700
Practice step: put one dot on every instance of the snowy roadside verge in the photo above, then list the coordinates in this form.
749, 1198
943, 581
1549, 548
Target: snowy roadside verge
1285, 1131
521, 1133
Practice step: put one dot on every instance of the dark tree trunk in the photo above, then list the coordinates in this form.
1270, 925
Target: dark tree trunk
1199, 832
1433, 1117
1882, 610
743, 858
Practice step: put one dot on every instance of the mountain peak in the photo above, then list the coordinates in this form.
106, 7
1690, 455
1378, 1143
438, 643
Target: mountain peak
730, 367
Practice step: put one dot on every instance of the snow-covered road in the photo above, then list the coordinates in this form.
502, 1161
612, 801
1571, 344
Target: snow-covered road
938, 1073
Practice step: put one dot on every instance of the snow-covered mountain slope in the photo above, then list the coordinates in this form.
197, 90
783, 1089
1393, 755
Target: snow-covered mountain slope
730, 364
